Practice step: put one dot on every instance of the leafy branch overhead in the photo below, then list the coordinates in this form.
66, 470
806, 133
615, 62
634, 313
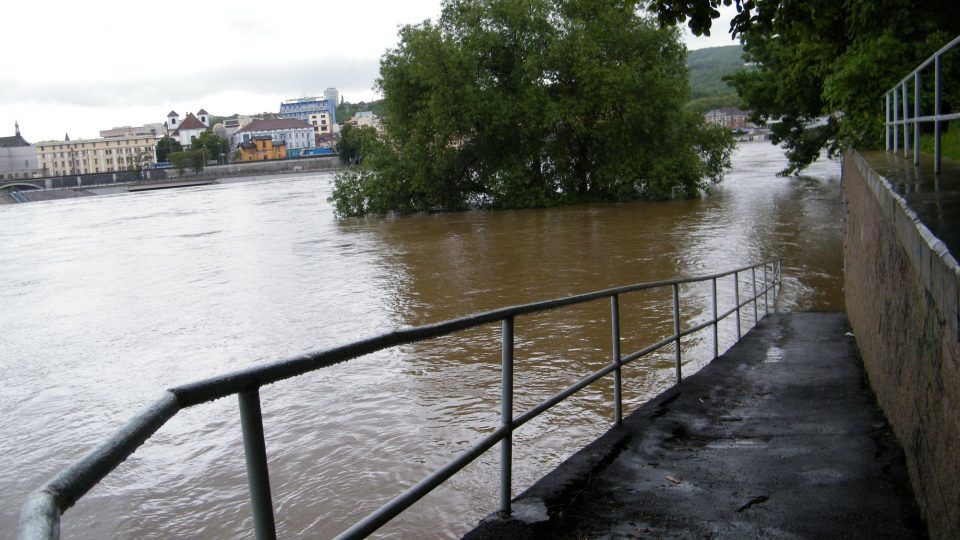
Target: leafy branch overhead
820, 67
507, 104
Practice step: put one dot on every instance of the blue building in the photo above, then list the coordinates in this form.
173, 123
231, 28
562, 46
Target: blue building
302, 108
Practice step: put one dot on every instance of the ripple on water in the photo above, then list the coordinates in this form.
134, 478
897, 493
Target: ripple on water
110, 299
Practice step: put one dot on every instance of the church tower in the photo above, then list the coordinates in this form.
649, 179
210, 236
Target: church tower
173, 121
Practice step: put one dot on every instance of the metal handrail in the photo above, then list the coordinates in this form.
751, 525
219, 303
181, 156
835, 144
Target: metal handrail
40, 517
892, 121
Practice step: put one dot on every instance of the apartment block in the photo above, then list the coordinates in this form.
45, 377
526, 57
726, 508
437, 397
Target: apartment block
90, 156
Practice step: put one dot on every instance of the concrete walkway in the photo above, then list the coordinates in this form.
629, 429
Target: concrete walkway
779, 438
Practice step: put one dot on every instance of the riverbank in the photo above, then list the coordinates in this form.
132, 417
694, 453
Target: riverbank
91, 185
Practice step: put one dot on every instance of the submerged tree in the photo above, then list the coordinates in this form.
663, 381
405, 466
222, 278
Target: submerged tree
822, 58
355, 143
508, 103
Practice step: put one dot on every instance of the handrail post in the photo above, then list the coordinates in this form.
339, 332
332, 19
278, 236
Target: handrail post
676, 330
777, 282
736, 296
753, 278
916, 116
255, 454
617, 381
766, 288
506, 417
936, 121
906, 117
886, 118
896, 120
716, 341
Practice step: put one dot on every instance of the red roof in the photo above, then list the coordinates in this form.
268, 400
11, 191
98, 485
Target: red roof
273, 125
191, 122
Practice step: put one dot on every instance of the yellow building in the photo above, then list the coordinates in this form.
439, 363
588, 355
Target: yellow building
263, 147
90, 156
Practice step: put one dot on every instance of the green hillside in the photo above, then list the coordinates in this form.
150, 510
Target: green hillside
708, 66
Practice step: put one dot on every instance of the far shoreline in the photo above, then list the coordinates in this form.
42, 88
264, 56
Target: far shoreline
221, 174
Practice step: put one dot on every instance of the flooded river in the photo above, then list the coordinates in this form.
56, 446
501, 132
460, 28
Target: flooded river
107, 300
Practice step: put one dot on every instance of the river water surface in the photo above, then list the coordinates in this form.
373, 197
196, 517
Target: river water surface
107, 300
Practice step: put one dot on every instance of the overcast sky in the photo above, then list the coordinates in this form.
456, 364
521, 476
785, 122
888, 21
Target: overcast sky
81, 67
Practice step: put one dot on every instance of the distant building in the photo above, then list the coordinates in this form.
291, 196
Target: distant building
322, 124
295, 134
332, 94
229, 126
262, 147
18, 158
106, 154
367, 118
155, 130
190, 127
302, 108
731, 118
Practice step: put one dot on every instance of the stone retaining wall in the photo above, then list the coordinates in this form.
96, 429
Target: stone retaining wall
901, 287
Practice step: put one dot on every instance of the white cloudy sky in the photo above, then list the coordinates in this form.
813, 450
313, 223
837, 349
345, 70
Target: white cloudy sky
80, 67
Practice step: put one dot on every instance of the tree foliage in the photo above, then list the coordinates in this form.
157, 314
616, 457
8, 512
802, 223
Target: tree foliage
165, 146
355, 143
822, 58
507, 103
137, 161
346, 110
193, 159
210, 145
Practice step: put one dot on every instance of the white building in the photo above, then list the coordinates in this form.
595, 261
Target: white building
296, 134
190, 127
332, 94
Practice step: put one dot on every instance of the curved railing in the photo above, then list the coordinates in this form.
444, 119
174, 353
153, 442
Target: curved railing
40, 517
892, 104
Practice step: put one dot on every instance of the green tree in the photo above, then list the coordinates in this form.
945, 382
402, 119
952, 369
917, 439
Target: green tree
822, 58
504, 103
180, 161
194, 159
211, 145
165, 146
355, 143
137, 162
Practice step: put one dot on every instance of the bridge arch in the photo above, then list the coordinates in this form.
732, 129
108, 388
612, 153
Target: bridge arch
20, 185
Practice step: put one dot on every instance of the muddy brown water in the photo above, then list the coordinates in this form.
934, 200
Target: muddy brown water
108, 300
